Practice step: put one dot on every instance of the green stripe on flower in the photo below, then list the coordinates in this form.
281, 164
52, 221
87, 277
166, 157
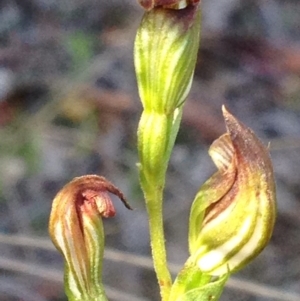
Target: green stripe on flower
165, 54
233, 215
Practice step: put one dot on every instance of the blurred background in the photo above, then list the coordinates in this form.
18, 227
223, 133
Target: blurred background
69, 106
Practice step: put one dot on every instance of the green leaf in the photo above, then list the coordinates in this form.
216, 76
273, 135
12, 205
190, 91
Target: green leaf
192, 284
209, 292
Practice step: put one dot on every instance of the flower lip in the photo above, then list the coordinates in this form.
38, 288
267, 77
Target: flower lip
100, 201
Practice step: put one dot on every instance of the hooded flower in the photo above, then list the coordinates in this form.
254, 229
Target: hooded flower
76, 230
233, 214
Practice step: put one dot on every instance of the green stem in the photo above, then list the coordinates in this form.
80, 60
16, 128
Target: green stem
156, 137
157, 238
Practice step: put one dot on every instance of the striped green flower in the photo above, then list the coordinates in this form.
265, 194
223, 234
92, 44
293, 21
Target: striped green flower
165, 55
76, 230
233, 214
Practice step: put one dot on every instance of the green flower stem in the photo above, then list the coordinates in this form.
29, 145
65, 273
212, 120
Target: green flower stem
156, 137
154, 203
165, 54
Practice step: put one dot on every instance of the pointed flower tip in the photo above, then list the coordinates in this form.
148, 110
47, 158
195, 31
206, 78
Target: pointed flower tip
233, 215
224, 110
229, 118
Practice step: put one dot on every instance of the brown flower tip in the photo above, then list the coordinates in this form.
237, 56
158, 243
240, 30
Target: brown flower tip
91, 189
88, 195
173, 4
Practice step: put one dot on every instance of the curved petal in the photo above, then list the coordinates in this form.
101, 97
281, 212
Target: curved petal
239, 210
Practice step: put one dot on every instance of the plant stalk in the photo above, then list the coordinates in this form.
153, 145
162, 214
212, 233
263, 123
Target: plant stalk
157, 240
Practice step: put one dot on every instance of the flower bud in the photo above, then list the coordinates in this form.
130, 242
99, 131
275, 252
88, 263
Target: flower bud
76, 230
233, 214
165, 54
